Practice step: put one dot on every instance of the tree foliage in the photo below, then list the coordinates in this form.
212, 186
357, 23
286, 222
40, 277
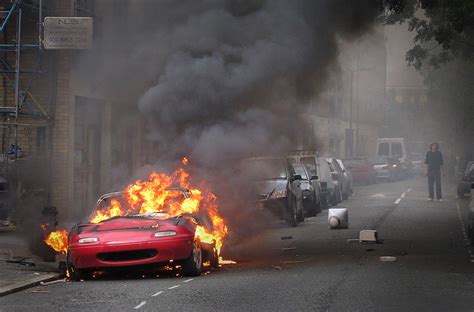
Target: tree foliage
444, 29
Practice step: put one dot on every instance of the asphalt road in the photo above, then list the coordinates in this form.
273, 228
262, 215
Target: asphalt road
318, 269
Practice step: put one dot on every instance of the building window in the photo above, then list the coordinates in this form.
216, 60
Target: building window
84, 7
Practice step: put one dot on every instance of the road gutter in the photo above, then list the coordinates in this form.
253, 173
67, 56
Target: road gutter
6, 290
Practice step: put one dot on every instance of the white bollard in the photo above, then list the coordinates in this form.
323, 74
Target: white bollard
338, 218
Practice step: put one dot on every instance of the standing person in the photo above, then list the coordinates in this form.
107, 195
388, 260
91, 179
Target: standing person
433, 163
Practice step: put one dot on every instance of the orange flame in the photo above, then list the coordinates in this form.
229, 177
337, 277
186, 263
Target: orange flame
185, 161
57, 240
115, 210
153, 195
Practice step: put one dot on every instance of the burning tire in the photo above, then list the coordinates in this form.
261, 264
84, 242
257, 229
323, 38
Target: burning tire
76, 275
193, 265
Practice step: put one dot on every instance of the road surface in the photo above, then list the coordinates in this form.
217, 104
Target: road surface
318, 269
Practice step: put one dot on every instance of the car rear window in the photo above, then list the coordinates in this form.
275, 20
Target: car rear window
384, 149
397, 149
310, 164
265, 169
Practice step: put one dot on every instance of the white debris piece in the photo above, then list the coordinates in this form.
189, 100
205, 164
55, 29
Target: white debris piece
368, 236
338, 218
388, 259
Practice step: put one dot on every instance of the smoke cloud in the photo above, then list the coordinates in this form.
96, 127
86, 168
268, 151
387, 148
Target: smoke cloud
221, 79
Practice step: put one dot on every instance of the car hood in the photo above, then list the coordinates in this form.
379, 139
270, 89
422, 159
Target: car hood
127, 223
266, 187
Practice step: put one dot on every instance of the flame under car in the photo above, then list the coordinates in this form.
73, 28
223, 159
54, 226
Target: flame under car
137, 241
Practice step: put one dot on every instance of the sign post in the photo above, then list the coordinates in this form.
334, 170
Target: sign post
67, 33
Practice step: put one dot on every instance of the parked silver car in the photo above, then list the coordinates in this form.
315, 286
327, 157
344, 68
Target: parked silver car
310, 159
276, 187
348, 178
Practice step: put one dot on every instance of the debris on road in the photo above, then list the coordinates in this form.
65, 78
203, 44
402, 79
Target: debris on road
277, 267
368, 236
288, 248
38, 291
53, 282
286, 237
338, 218
292, 261
388, 259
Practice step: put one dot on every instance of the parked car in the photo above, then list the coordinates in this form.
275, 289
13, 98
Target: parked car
348, 178
276, 187
393, 147
467, 180
310, 159
341, 178
130, 241
362, 171
310, 194
387, 168
336, 196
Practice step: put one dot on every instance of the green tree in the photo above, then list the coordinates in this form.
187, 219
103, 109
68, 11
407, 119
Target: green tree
444, 29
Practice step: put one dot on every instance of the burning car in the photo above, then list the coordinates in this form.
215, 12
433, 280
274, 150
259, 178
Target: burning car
142, 239
162, 220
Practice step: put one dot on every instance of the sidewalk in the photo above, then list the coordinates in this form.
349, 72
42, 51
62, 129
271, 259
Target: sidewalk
16, 276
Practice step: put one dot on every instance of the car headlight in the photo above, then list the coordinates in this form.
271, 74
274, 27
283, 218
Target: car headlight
86, 240
165, 233
279, 194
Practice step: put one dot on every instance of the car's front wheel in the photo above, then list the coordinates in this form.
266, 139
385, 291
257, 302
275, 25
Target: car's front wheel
193, 265
292, 213
76, 275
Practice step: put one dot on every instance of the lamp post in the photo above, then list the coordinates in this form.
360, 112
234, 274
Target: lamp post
351, 130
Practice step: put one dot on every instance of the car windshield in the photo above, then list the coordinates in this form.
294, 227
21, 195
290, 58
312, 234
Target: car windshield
299, 170
265, 169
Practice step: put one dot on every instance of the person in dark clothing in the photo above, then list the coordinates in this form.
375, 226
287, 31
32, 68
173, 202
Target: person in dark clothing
433, 164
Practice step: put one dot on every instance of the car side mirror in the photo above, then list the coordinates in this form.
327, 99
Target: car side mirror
315, 177
296, 177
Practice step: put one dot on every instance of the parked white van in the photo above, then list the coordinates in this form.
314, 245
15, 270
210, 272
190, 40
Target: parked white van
394, 147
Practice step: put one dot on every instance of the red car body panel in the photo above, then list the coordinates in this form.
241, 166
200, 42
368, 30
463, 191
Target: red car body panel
131, 242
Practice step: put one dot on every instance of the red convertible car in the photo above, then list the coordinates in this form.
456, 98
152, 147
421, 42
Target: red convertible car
137, 241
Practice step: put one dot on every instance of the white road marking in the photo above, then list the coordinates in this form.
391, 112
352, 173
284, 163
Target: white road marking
403, 195
398, 201
378, 195
188, 280
140, 305
158, 293
173, 287
409, 190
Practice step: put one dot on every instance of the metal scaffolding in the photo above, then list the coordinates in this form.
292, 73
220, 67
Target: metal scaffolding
16, 79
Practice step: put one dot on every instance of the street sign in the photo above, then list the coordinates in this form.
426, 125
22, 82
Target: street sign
67, 33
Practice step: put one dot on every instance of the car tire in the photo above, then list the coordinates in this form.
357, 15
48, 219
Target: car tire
76, 275
214, 258
309, 207
192, 266
324, 202
461, 192
292, 214
300, 215
345, 196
